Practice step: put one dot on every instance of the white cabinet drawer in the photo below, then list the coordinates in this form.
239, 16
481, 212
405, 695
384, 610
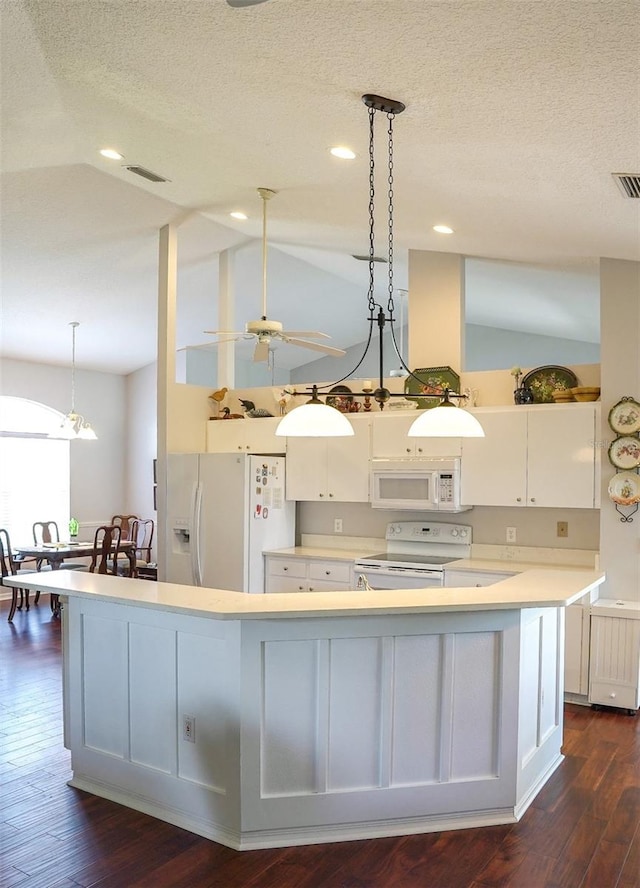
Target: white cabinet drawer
293, 568
611, 694
337, 571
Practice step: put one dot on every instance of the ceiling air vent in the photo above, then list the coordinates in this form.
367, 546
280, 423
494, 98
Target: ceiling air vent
146, 174
628, 183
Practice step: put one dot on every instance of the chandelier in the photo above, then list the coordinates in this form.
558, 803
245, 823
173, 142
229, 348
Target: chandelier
74, 425
317, 419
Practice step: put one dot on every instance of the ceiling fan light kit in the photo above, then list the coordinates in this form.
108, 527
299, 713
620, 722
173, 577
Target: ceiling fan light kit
310, 420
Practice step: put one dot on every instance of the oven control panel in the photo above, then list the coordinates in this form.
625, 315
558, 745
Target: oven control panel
429, 532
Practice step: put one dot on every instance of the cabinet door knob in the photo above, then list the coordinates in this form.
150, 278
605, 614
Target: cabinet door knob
612, 695
310, 588
419, 449
328, 573
518, 499
321, 495
408, 449
285, 568
301, 588
533, 499
330, 495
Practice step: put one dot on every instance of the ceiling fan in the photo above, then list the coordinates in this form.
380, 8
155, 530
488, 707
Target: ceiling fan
265, 331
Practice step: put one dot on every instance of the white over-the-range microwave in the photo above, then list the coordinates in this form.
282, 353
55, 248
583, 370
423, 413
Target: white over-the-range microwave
429, 485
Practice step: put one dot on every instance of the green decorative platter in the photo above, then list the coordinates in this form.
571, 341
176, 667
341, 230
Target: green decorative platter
430, 381
544, 381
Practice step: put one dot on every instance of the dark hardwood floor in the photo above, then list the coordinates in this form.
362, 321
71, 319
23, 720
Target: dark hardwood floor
583, 830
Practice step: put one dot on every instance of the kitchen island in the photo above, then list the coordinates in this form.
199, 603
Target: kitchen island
272, 720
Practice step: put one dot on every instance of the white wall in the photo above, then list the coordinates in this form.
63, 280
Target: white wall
490, 348
97, 467
620, 332
141, 445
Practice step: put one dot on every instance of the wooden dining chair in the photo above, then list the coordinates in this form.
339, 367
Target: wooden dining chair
9, 567
142, 534
45, 532
124, 522
106, 545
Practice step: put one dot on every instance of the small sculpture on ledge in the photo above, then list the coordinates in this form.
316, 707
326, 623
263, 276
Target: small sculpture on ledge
251, 410
521, 394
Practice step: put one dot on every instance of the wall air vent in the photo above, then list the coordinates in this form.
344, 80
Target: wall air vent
146, 174
366, 258
628, 183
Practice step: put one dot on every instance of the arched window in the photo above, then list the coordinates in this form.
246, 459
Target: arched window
34, 469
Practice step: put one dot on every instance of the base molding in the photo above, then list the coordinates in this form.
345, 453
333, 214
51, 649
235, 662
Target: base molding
312, 835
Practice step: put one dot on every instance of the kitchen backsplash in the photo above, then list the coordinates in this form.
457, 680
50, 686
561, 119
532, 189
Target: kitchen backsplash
534, 527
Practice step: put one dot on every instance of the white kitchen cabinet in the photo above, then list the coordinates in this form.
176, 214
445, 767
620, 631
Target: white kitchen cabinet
330, 469
244, 435
463, 578
576, 649
389, 439
614, 678
539, 456
291, 574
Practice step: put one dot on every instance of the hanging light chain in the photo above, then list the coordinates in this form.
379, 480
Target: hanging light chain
372, 194
390, 305
73, 326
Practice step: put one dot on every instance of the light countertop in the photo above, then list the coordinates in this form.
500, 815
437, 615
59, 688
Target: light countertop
532, 588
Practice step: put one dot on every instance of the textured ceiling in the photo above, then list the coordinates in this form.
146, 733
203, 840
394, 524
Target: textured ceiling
517, 114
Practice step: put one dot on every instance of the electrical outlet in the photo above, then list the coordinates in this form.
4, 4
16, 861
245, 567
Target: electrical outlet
337, 525
189, 728
512, 535
563, 529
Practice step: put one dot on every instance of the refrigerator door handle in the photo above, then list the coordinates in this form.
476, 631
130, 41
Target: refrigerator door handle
196, 566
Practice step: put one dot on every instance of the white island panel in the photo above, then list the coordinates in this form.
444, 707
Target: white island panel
152, 683
105, 685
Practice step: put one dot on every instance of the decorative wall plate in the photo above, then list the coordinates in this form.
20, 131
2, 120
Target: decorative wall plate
431, 381
624, 417
624, 488
340, 397
544, 381
624, 452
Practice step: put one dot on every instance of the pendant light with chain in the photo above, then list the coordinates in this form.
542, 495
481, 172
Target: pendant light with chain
316, 419
74, 425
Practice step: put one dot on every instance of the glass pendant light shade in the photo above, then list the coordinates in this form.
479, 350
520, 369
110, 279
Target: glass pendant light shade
315, 420
446, 421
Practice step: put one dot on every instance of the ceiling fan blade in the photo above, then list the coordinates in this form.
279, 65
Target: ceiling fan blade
238, 4
239, 334
315, 346
308, 334
262, 352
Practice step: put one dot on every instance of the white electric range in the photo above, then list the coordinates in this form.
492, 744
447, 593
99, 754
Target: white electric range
417, 552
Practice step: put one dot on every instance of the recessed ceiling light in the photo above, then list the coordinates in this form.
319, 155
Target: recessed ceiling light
443, 229
111, 153
342, 152
239, 215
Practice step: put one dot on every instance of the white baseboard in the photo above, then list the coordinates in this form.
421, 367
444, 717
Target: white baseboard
294, 836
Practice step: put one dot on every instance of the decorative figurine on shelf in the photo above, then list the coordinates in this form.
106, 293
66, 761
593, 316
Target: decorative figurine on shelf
521, 394
251, 410
216, 399
282, 398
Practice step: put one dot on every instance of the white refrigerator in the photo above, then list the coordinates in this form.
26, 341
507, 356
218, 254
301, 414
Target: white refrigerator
223, 511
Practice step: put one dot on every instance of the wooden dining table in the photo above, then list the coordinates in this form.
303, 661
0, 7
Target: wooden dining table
57, 553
